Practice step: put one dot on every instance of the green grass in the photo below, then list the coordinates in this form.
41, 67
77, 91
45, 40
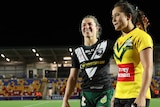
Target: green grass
36, 103
155, 102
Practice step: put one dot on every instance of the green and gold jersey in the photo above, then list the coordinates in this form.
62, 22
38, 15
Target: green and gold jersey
127, 56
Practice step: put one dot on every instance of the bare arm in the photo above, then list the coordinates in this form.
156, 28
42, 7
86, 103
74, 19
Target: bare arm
147, 62
113, 98
71, 83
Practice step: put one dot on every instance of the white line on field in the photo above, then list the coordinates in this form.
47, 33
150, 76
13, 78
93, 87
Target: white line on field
37, 104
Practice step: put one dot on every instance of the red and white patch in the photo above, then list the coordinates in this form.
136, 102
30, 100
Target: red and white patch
125, 72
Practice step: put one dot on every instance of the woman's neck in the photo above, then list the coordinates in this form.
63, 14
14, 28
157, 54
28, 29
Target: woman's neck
90, 41
128, 29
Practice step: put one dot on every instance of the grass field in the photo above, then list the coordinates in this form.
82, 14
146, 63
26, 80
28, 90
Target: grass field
155, 102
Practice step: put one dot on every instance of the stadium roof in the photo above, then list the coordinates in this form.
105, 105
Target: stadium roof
25, 55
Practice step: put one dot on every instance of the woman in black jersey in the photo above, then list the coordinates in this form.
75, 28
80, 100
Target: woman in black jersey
92, 59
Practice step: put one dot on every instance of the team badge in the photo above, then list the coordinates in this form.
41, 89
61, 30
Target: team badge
104, 99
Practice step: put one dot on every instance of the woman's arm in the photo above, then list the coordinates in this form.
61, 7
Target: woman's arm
71, 83
146, 57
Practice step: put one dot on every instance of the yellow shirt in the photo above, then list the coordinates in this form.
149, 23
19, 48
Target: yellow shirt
127, 56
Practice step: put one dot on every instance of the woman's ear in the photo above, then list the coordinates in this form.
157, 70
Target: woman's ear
129, 16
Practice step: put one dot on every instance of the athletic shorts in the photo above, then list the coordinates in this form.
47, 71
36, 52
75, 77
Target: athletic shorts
127, 102
96, 99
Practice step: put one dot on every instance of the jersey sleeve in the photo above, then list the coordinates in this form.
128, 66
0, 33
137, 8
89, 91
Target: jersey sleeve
144, 41
75, 62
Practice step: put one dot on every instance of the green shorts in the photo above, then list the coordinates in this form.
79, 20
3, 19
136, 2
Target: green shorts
96, 99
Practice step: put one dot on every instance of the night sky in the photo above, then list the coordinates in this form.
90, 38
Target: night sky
56, 23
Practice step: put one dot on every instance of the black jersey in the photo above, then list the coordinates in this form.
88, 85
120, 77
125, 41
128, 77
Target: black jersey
94, 62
